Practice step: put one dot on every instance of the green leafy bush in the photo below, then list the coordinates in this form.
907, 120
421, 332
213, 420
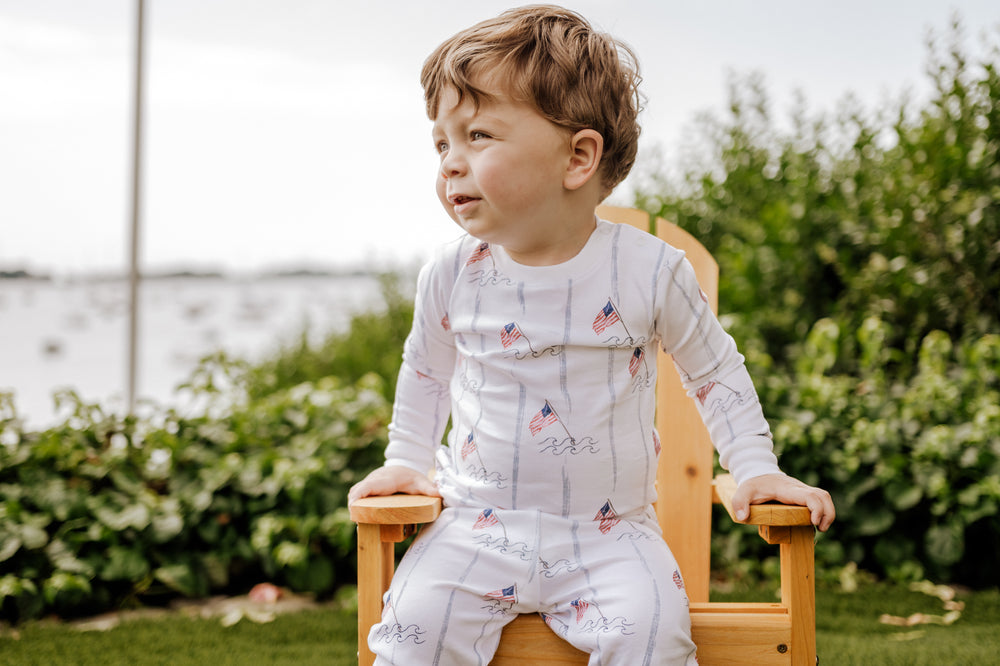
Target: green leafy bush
860, 269
102, 511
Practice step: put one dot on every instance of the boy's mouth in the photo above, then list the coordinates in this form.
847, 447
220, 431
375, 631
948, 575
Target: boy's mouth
459, 199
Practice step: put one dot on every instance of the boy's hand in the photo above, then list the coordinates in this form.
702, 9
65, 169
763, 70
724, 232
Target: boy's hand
391, 480
787, 490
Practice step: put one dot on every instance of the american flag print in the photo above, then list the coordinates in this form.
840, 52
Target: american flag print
468, 446
656, 442
508, 594
509, 334
703, 392
544, 417
608, 316
581, 607
481, 253
678, 581
445, 323
485, 519
607, 516
636, 361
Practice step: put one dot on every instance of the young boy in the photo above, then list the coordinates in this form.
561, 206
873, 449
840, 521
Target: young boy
527, 332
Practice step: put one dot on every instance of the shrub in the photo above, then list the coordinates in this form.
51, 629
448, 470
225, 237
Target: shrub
102, 511
860, 273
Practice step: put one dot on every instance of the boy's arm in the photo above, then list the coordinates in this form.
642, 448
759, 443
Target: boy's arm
421, 405
715, 376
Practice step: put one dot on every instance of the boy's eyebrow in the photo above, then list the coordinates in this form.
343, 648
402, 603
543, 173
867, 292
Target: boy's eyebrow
477, 116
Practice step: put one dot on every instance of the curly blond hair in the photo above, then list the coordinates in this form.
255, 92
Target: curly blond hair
549, 57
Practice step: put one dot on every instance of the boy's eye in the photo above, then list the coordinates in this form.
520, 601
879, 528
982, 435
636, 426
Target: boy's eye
441, 147
477, 135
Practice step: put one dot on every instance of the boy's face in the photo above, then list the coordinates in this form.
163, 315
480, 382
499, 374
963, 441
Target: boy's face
501, 174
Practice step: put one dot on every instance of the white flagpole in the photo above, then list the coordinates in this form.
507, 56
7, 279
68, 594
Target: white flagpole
134, 275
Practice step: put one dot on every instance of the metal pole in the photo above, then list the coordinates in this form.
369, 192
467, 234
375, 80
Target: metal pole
134, 275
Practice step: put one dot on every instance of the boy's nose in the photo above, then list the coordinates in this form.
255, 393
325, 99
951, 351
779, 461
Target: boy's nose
452, 165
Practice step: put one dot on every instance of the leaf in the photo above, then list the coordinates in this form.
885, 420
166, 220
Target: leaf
945, 544
134, 515
316, 576
124, 564
66, 588
181, 578
8, 546
874, 521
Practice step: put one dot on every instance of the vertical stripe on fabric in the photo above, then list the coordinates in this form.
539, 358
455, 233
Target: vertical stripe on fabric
614, 263
563, 377
566, 494
654, 622
447, 610
696, 307
613, 397
586, 574
521, 399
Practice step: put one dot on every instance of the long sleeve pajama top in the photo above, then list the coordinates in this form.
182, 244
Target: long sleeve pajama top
548, 374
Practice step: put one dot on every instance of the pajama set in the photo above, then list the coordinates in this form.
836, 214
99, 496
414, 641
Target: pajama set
548, 375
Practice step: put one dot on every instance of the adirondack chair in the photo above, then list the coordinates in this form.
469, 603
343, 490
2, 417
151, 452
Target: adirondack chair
725, 633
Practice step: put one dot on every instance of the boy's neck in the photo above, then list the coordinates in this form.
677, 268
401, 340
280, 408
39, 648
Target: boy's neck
574, 230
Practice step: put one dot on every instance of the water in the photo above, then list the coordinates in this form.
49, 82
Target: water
75, 334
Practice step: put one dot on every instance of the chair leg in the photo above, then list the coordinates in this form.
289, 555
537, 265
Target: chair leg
798, 592
375, 564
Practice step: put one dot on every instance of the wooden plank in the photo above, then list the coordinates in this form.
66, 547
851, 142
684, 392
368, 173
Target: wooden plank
762, 632
738, 607
774, 534
371, 578
742, 638
639, 219
528, 640
798, 593
396, 509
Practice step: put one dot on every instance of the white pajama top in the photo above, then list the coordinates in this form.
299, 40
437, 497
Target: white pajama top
548, 374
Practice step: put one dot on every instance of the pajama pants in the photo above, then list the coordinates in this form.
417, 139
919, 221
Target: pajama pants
610, 587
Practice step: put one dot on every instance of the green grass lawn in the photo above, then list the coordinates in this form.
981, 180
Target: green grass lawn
848, 632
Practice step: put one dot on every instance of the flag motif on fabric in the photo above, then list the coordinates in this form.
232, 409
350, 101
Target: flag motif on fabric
607, 516
445, 323
481, 253
581, 607
703, 392
509, 334
544, 417
504, 594
468, 446
656, 442
608, 316
678, 581
636, 361
485, 519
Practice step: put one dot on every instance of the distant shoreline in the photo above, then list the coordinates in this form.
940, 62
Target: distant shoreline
97, 277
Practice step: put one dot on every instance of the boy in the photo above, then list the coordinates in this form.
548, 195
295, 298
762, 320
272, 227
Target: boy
533, 328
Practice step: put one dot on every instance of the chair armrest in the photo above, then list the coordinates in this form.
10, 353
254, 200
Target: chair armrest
775, 515
396, 509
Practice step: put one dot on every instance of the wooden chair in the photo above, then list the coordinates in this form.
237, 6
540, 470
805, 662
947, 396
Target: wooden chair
725, 633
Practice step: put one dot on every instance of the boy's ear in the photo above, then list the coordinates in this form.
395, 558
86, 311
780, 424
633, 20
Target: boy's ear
586, 150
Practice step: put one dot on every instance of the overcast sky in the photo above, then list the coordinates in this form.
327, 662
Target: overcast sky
289, 131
